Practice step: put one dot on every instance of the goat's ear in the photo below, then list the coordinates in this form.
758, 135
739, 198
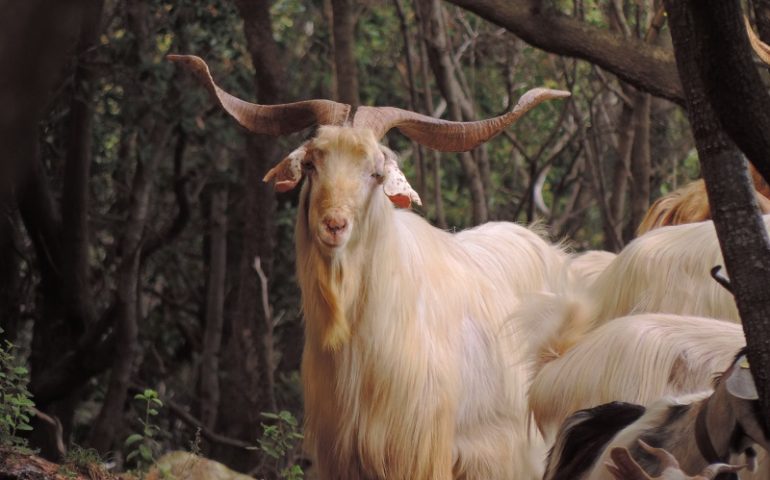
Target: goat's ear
740, 383
625, 467
288, 172
394, 182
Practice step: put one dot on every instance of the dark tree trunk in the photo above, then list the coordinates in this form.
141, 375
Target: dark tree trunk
346, 72
244, 390
713, 58
443, 68
68, 309
641, 164
438, 200
215, 302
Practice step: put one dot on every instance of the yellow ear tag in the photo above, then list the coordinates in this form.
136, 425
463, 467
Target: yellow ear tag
745, 363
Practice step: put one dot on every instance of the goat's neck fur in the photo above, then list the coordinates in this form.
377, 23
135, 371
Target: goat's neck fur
344, 346
335, 287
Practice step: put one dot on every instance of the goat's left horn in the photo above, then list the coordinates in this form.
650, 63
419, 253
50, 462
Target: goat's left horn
760, 48
267, 119
444, 135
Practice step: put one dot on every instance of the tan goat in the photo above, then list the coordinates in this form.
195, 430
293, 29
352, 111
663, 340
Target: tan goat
689, 203
410, 368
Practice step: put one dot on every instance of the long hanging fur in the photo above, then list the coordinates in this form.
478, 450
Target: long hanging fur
411, 368
665, 270
635, 359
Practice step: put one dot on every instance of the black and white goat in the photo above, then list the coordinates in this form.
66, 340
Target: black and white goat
698, 429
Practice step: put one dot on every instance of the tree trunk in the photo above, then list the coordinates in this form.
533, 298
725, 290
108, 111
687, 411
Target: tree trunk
443, 69
109, 423
438, 200
706, 34
344, 27
243, 389
641, 164
215, 303
68, 308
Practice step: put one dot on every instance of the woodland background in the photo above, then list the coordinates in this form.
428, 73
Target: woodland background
133, 208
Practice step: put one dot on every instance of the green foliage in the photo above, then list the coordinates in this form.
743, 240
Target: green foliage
279, 440
141, 446
16, 407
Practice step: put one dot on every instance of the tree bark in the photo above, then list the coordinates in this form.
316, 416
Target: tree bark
109, 423
346, 72
438, 200
444, 71
641, 164
64, 258
646, 67
705, 33
215, 302
243, 388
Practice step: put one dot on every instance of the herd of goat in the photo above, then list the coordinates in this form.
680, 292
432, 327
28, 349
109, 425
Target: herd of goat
431, 355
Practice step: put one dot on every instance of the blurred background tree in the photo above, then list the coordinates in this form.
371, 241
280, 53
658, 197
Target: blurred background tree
133, 208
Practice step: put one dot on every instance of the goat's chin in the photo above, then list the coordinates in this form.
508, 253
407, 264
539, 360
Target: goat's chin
331, 245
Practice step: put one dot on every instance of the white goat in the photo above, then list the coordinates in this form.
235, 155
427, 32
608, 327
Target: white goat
664, 270
637, 359
698, 430
587, 266
410, 368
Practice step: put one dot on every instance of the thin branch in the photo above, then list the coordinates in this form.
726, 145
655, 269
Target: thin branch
183, 415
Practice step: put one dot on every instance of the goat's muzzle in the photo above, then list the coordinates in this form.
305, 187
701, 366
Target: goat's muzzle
334, 230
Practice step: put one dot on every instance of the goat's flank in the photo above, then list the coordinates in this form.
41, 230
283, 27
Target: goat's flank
636, 359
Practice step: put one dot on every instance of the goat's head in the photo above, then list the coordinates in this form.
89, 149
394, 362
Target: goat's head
624, 467
346, 169
345, 162
737, 387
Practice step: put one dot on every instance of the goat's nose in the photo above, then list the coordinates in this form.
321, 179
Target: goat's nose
335, 225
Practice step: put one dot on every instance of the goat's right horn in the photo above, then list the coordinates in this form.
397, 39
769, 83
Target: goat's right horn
715, 469
267, 119
444, 135
760, 48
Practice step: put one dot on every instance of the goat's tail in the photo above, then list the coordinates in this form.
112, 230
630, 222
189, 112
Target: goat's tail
551, 324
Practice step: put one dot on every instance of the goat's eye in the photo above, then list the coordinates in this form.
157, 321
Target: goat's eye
377, 176
308, 166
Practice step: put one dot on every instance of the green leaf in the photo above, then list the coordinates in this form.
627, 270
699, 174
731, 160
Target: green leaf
145, 452
132, 439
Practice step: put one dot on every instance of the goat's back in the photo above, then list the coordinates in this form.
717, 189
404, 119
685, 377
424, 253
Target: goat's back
665, 270
636, 359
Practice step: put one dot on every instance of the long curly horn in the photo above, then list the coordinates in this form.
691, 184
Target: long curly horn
267, 119
444, 135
